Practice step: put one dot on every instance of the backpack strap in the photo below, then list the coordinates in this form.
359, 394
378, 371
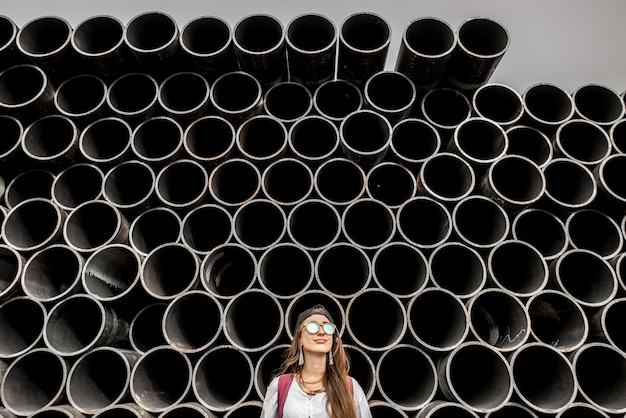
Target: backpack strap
350, 384
284, 382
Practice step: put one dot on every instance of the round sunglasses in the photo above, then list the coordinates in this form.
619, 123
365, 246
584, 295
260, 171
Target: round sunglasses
314, 328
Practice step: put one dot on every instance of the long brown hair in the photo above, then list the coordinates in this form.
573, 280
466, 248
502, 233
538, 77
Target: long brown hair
340, 401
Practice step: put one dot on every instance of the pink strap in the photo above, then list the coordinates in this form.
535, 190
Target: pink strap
284, 382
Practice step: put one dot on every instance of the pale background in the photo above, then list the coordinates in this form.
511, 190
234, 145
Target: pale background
565, 42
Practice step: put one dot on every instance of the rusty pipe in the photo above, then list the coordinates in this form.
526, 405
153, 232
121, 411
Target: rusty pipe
336, 99
400, 268
518, 267
288, 102
287, 181
339, 181
368, 223
206, 217
214, 151
459, 268
152, 228
21, 326
105, 142
314, 224
259, 223
228, 270
406, 149
169, 270
424, 222
313, 139
285, 269
343, 270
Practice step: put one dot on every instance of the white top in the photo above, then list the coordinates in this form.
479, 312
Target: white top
299, 405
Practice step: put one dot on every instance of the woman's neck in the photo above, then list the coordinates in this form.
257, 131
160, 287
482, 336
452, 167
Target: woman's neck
314, 367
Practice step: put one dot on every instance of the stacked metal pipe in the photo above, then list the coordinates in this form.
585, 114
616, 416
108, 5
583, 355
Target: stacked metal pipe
173, 198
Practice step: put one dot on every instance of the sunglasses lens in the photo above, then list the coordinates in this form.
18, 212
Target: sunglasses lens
329, 329
312, 327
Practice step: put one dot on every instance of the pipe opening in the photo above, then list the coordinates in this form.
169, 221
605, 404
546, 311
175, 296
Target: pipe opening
259, 224
81, 95
447, 177
594, 231
132, 94
8, 32
44, 36
499, 103
451, 326
146, 330
548, 104
258, 33
611, 322
207, 35
390, 92
414, 140
77, 184
192, 321
343, 270
52, 273
480, 140
32, 224
151, 32
21, 85
314, 224
365, 132
222, 378
209, 138
266, 366
49, 138
98, 35
583, 141
543, 377
610, 174
391, 183
424, 222
198, 221
598, 103
228, 270
153, 228
389, 318
457, 268
618, 136
12, 130
530, 143
444, 409
517, 180
429, 37
311, 33
368, 223
445, 108
483, 37
518, 267
365, 32
313, 138
157, 139
600, 284
336, 99
11, 270
543, 230
400, 268
340, 181
21, 326
235, 182
285, 270
111, 272
288, 101
364, 370
187, 172
601, 374
262, 138
236, 92
287, 181
105, 140
129, 184
94, 224
183, 93
29, 184
480, 221
557, 320
169, 270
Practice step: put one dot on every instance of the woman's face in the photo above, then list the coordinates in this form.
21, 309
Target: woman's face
319, 342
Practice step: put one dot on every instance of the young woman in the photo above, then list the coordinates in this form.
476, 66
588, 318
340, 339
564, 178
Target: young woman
313, 381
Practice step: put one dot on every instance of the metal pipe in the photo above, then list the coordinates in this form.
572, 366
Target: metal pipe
223, 378
548, 389
129, 186
46, 42
387, 409
312, 297
451, 327
133, 97
458, 268
406, 149
26, 93
477, 376
182, 171
498, 318
228, 270
611, 191
245, 409
595, 231
234, 182
336, 99
368, 223
481, 44
52, 273
512, 410
391, 183
518, 267
599, 372
33, 381
99, 43
363, 46
444, 409
21, 326
77, 184
425, 49
265, 367
160, 379
9, 53
515, 182
51, 141
12, 263
106, 141
600, 284
57, 411
152, 37
187, 409
170, 270
531, 143
313, 139
570, 185
390, 93
445, 109
259, 41
543, 230
424, 222
11, 153
285, 269
206, 43
146, 331
123, 410
480, 222
81, 98
287, 181
446, 177
360, 315
605, 324
314, 224
479, 141
199, 220
262, 139
498, 102
311, 49
157, 141
111, 274
78, 323
419, 365
33, 224
288, 102
365, 137
619, 264
581, 409
240, 326
259, 223
152, 228
617, 133
598, 103
362, 368
100, 378
94, 224
546, 107
582, 141
339, 181
400, 268
181, 328
343, 270
184, 96
237, 96
214, 151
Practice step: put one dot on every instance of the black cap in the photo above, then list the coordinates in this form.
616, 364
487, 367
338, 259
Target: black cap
317, 309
